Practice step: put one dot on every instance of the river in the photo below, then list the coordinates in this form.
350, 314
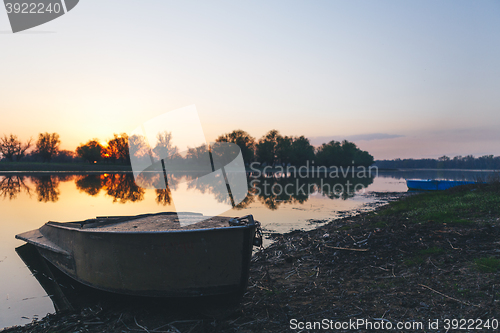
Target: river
281, 203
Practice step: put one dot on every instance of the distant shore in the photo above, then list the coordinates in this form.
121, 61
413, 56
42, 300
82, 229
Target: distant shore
8, 167
56, 167
105, 167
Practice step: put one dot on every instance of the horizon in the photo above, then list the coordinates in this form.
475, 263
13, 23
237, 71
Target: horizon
400, 80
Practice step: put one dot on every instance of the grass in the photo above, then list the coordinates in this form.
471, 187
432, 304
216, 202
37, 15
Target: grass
414, 261
455, 206
422, 254
380, 224
487, 265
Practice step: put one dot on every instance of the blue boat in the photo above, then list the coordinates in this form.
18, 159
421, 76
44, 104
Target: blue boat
434, 185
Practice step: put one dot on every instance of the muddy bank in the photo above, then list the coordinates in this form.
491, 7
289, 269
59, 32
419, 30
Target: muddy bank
429, 258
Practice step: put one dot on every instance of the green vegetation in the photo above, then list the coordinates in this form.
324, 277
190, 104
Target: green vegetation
461, 205
343, 153
380, 224
487, 265
414, 261
422, 255
431, 250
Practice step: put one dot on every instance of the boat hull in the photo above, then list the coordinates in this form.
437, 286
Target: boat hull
434, 185
198, 262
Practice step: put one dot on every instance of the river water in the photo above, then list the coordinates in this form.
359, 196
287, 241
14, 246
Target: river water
281, 204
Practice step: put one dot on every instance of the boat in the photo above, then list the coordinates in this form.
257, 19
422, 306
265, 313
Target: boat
153, 254
434, 185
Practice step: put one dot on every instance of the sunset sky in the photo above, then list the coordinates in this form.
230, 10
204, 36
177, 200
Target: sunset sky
399, 78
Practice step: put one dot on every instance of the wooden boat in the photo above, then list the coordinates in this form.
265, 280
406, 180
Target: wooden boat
152, 254
434, 185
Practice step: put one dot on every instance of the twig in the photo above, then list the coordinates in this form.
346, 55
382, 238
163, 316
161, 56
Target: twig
392, 276
120, 318
384, 269
262, 288
144, 328
454, 248
346, 248
440, 293
174, 328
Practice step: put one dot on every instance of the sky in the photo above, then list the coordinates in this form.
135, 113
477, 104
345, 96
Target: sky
401, 79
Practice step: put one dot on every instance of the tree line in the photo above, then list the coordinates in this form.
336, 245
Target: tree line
486, 162
271, 149
47, 149
276, 149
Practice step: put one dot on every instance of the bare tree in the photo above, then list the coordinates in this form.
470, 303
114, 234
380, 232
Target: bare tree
11, 147
164, 148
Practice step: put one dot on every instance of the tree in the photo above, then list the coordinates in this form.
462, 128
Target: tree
243, 140
328, 153
11, 147
117, 149
283, 149
47, 145
91, 151
139, 149
164, 148
198, 156
342, 154
267, 148
64, 156
301, 151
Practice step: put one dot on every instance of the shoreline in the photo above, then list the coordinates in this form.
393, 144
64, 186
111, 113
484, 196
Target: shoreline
428, 256
30, 167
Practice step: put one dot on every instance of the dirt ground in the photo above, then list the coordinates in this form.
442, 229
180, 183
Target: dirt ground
375, 269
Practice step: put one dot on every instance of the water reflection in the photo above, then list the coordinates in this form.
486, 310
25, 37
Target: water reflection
65, 293
90, 184
274, 191
271, 190
163, 197
47, 187
121, 187
12, 185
